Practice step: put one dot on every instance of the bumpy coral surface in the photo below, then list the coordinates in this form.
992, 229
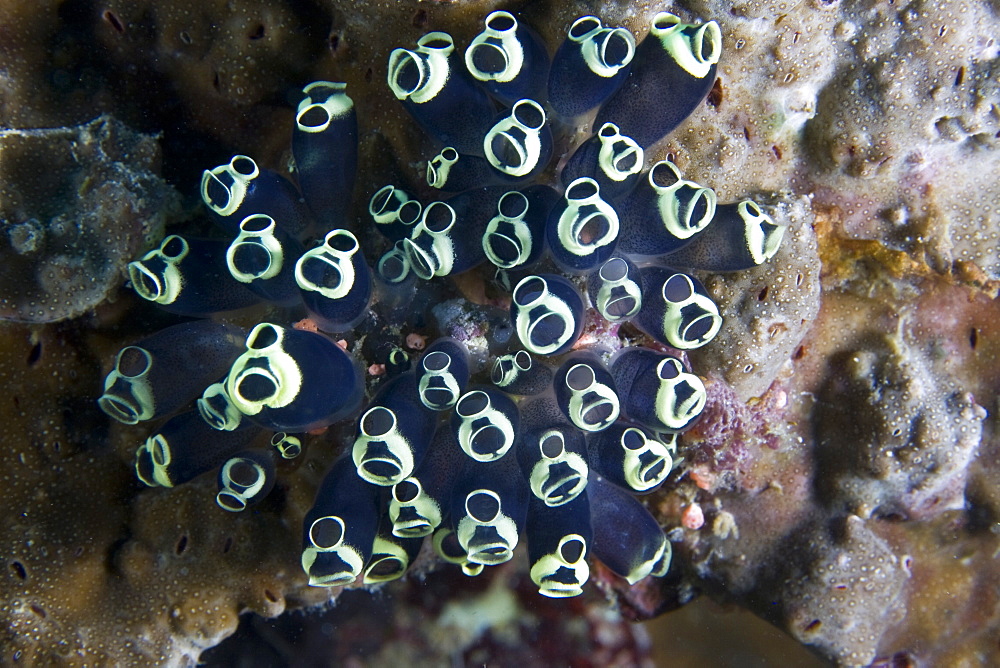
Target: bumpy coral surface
873, 124
841, 590
76, 205
911, 459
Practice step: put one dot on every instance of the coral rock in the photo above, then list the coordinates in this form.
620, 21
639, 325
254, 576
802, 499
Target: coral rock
910, 456
76, 205
766, 311
839, 590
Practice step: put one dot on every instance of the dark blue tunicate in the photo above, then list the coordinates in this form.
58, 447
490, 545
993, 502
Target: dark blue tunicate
673, 71
664, 212
518, 373
656, 390
626, 537
488, 508
325, 147
442, 373
421, 502
293, 380
217, 408
395, 285
741, 236
610, 158
397, 361
553, 461
582, 230
447, 547
189, 277
515, 235
485, 422
448, 238
435, 88
541, 412
547, 312
586, 392
615, 288
289, 446
335, 282
519, 145
185, 447
451, 171
559, 539
242, 188
676, 309
263, 258
557, 466
391, 556
339, 531
509, 59
393, 433
245, 479
394, 212
158, 375
630, 457
589, 66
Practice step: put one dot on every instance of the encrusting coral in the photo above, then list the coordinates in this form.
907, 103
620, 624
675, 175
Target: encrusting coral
869, 127
910, 459
76, 205
839, 589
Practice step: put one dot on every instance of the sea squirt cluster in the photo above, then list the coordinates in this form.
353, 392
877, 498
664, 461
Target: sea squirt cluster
551, 441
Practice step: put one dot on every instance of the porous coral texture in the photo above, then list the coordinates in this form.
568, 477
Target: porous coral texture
94, 573
448, 618
905, 133
837, 588
768, 309
76, 205
909, 457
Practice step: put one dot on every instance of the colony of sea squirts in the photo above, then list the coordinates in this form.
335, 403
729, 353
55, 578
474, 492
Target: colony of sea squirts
555, 447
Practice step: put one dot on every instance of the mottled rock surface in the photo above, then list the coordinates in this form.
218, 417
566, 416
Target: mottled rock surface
76, 205
910, 456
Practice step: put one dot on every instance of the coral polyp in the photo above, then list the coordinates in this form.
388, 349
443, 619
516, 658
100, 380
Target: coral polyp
441, 447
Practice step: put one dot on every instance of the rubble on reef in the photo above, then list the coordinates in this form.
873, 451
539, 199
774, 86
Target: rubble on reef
843, 482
